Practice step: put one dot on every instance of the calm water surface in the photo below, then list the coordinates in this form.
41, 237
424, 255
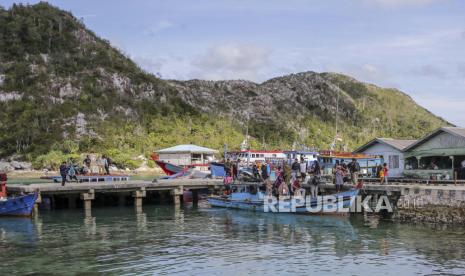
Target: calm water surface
205, 241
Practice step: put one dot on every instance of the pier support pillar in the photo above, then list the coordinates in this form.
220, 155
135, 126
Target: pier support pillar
177, 193
35, 210
87, 198
138, 196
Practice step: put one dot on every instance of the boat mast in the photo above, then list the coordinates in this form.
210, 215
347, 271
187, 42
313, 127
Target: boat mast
333, 145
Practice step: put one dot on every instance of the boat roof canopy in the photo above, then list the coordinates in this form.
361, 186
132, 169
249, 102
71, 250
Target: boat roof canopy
187, 149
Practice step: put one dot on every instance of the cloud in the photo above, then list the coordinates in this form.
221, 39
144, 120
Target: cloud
375, 74
158, 27
429, 71
398, 3
149, 64
231, 61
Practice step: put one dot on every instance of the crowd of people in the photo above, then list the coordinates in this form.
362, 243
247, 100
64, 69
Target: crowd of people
290, 176
92, 164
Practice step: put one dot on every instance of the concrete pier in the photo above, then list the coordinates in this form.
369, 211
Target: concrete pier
118, 191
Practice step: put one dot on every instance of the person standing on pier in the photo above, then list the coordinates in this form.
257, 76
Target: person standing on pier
287, 173
101, 164
235, 168
339, 176
354, 168
384, 174
63, 173
264, 172
107, 164
87, 162
303, 169
295, 169
227, 167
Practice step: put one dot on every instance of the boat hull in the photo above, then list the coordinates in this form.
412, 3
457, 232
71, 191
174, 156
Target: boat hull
18, 206
258, 205
169, 169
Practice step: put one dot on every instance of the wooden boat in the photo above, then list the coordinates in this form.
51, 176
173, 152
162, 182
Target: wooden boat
244, 199
15, 205
169, 169
18, 206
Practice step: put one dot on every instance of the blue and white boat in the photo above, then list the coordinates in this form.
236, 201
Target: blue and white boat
250, 197
18, 205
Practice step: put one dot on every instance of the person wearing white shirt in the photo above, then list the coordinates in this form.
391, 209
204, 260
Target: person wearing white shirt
303, 169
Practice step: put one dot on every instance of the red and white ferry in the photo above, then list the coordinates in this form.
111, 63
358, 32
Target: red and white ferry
253, 156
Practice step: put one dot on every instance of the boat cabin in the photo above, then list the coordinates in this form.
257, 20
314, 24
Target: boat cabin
253, 156
309, 156
368, 163
251, 192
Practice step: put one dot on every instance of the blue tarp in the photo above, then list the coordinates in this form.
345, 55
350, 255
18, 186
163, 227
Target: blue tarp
217, 170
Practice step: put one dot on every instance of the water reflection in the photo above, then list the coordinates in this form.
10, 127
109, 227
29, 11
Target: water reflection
190, 240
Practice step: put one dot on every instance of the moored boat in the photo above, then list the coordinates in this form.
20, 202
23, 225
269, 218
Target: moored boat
250, 197
15, 205
169, 169
18, 206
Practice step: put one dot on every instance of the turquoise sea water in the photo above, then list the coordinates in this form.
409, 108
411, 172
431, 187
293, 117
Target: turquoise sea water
206, 241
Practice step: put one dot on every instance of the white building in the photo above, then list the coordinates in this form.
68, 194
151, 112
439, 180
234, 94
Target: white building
392, 151
187, 155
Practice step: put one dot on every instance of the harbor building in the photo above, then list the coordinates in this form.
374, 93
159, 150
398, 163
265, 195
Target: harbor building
391, 150
186, 155
439, 155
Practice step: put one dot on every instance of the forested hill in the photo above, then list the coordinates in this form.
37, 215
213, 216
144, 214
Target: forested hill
65, 91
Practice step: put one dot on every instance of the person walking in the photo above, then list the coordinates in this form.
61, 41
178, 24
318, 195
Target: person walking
354, 168
63, 173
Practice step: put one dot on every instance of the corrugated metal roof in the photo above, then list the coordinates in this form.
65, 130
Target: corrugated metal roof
458, 131
398, 144
187, 149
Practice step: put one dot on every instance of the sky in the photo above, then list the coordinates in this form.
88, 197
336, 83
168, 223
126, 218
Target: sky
417, 46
